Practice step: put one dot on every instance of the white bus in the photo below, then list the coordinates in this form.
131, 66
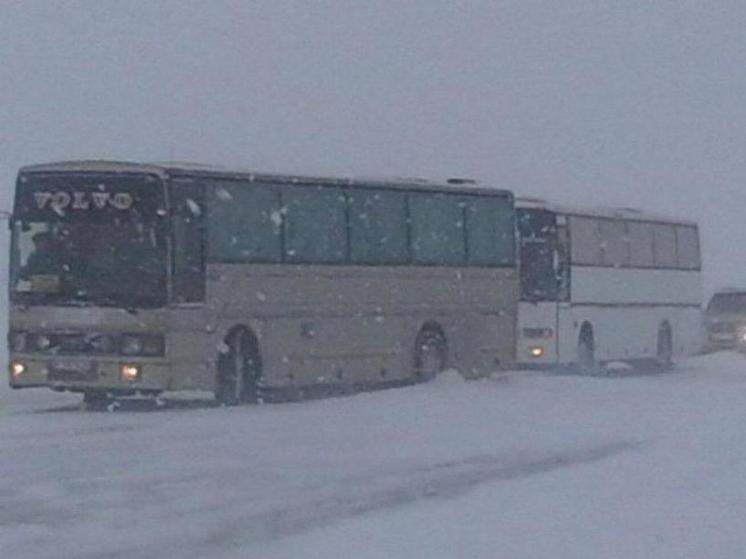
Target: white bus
137, 278
606, 285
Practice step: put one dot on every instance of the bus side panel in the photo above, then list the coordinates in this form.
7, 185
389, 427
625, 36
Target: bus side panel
626, 307
629, 333
480, 343
635, 286
194, 346
568, 328
358, 325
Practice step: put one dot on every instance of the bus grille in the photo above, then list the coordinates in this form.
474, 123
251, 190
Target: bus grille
60, 373
73, 344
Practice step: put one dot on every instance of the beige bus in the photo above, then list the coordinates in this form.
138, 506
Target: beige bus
137, 279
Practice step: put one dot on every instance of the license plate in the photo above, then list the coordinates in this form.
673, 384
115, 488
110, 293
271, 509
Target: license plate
72, 371
77, 366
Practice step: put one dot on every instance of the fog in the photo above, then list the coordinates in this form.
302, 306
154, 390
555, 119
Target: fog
633, 103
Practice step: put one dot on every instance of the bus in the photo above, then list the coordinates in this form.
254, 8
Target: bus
129, 278
603, 286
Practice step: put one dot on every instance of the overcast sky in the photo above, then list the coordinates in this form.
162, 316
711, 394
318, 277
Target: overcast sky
634, 102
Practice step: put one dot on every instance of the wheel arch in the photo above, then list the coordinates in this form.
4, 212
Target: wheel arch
223, 354
665, 335
587, 333
430, 326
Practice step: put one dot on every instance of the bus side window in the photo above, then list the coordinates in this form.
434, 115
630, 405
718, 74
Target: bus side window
437, 229
187, 207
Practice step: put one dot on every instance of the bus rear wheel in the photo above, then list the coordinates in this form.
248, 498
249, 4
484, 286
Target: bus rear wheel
664, 347
97, 400
239, 371
430, 354
586, 350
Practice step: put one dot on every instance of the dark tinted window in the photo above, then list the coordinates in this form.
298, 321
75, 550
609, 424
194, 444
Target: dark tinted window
727, 302
437, 222
664, 241
615, 242
586, 241
641, 243
245, 223
378, 227
315, 225
94, 238
687, 242
490, 231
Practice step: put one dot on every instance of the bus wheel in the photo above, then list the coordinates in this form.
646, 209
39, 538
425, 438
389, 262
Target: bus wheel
96, 400
430, 354
586, 350
239, 371
664, 346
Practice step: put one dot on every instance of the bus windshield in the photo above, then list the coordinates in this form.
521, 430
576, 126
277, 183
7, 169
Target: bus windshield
728, 302
88, 240
538, 246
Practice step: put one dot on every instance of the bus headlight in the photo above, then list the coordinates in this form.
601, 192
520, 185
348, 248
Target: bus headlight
536, 351
17, 368
139, 344
130, 373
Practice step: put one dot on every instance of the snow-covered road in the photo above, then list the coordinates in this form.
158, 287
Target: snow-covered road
526, 465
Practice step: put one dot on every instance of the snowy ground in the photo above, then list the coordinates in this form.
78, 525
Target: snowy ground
529, 465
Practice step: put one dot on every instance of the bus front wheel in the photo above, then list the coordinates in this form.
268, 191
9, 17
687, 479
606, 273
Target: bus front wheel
239, 371
430, 353
96, 400
586, 350
664, 346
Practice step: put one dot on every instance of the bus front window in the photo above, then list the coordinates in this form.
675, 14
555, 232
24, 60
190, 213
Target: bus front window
540, 259
97, 253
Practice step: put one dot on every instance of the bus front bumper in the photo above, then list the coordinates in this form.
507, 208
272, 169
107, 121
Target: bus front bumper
68, 373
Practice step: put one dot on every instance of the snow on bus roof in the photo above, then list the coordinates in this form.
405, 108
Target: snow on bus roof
181, 168
632, 214
93, 166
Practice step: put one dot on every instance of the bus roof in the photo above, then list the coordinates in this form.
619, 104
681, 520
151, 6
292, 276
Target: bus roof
729, 290
629, 214
197, 170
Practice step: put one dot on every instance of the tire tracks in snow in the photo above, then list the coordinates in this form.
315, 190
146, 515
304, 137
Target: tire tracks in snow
358, 496
234, 530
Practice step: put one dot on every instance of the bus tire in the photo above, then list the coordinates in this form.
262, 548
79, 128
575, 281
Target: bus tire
239, 370
586, 350
664, 346
96, 400
430, 354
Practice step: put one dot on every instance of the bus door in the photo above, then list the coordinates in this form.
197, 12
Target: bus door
541, 262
